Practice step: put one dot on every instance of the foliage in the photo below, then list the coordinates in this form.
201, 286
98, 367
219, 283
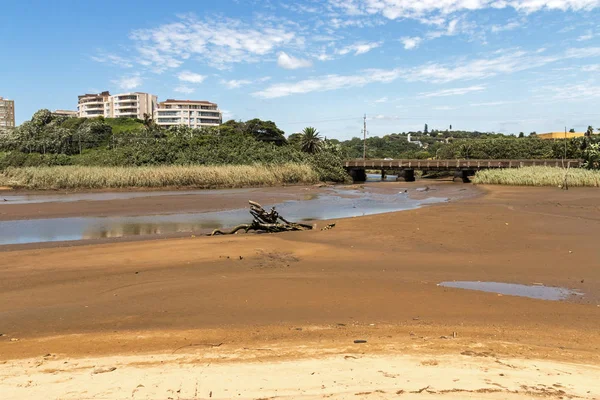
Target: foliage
510, 148
264, 131
328, 167
310, 142
592, 156
538, 176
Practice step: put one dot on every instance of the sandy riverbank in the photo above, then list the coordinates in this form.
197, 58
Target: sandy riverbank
307, 296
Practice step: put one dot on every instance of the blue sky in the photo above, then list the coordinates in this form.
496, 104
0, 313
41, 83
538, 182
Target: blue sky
489, 65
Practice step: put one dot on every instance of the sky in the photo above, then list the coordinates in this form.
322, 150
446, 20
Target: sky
490, 65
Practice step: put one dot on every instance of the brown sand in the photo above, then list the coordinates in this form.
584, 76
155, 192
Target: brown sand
372, 278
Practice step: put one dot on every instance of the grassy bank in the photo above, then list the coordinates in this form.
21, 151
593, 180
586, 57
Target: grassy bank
538, 176
225, 176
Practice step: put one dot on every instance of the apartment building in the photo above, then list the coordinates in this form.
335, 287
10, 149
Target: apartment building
192, 113
7, 113
65, 113
130, 105
94, 105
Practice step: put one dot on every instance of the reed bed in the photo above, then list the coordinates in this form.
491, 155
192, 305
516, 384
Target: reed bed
224, 176
538, 176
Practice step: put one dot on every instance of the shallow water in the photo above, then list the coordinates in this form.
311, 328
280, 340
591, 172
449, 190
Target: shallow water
104, 196
513, 289
322, 207
377, 178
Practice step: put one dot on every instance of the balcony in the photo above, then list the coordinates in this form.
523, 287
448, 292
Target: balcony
208, 121
128, 110
126, 105
169, 120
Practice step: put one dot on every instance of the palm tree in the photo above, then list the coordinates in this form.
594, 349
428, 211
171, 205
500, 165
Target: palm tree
589, 131
310, 141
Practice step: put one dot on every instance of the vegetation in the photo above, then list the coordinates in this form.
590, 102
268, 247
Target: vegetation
538, 176
77, 177
48, 140
310, 141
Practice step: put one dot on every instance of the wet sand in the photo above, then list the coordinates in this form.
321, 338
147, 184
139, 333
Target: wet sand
233, 301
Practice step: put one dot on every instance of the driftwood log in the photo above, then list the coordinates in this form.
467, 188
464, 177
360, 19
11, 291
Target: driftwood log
267, 221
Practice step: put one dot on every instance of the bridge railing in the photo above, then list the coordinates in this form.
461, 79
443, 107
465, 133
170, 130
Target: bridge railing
459, 164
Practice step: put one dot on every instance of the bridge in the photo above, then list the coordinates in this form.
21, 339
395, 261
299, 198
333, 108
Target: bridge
462, 168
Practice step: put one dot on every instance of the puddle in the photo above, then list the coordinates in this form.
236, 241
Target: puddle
104, 196
513, 289
322, 207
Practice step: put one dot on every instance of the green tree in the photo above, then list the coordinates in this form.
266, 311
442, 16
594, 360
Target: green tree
521, 134
311, 141
589, 132
295, 139
572, 130
265, 131
426, 130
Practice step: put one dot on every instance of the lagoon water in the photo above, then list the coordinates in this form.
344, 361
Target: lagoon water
335, 204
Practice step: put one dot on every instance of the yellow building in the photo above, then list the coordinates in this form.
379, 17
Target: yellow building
560, 135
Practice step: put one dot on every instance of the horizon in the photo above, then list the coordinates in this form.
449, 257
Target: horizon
488, 66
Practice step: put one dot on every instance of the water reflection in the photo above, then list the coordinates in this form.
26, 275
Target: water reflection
329, 206
7, 199
377, 178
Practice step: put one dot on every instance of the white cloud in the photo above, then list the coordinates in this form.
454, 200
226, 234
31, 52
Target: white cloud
236, 83
383, 117
444, 108
359, 48
591, 68
502, 63
328, 82
217, 41
184, 89
411, 43
324, 57
509, 26
491, 103
589, 35
573, 92
453, 92
192, 77
112, 59
396, 9
286, 61
454, 27
128, 82
382, 100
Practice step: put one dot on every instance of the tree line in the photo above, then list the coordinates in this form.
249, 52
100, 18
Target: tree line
47, 139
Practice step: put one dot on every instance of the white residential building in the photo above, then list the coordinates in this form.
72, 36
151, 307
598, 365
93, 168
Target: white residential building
192, 113
130, 105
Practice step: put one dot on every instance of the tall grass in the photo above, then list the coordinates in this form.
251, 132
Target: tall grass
228, 176
538, 176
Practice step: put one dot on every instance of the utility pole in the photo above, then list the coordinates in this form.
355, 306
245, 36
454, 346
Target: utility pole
365, 138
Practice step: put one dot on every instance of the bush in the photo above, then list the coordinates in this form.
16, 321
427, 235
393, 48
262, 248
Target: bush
18, 159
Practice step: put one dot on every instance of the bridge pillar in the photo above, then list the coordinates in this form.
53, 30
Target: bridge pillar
464, 174
408, 175
358, 175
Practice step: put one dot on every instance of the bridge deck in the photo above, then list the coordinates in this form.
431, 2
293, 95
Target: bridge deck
457, 164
